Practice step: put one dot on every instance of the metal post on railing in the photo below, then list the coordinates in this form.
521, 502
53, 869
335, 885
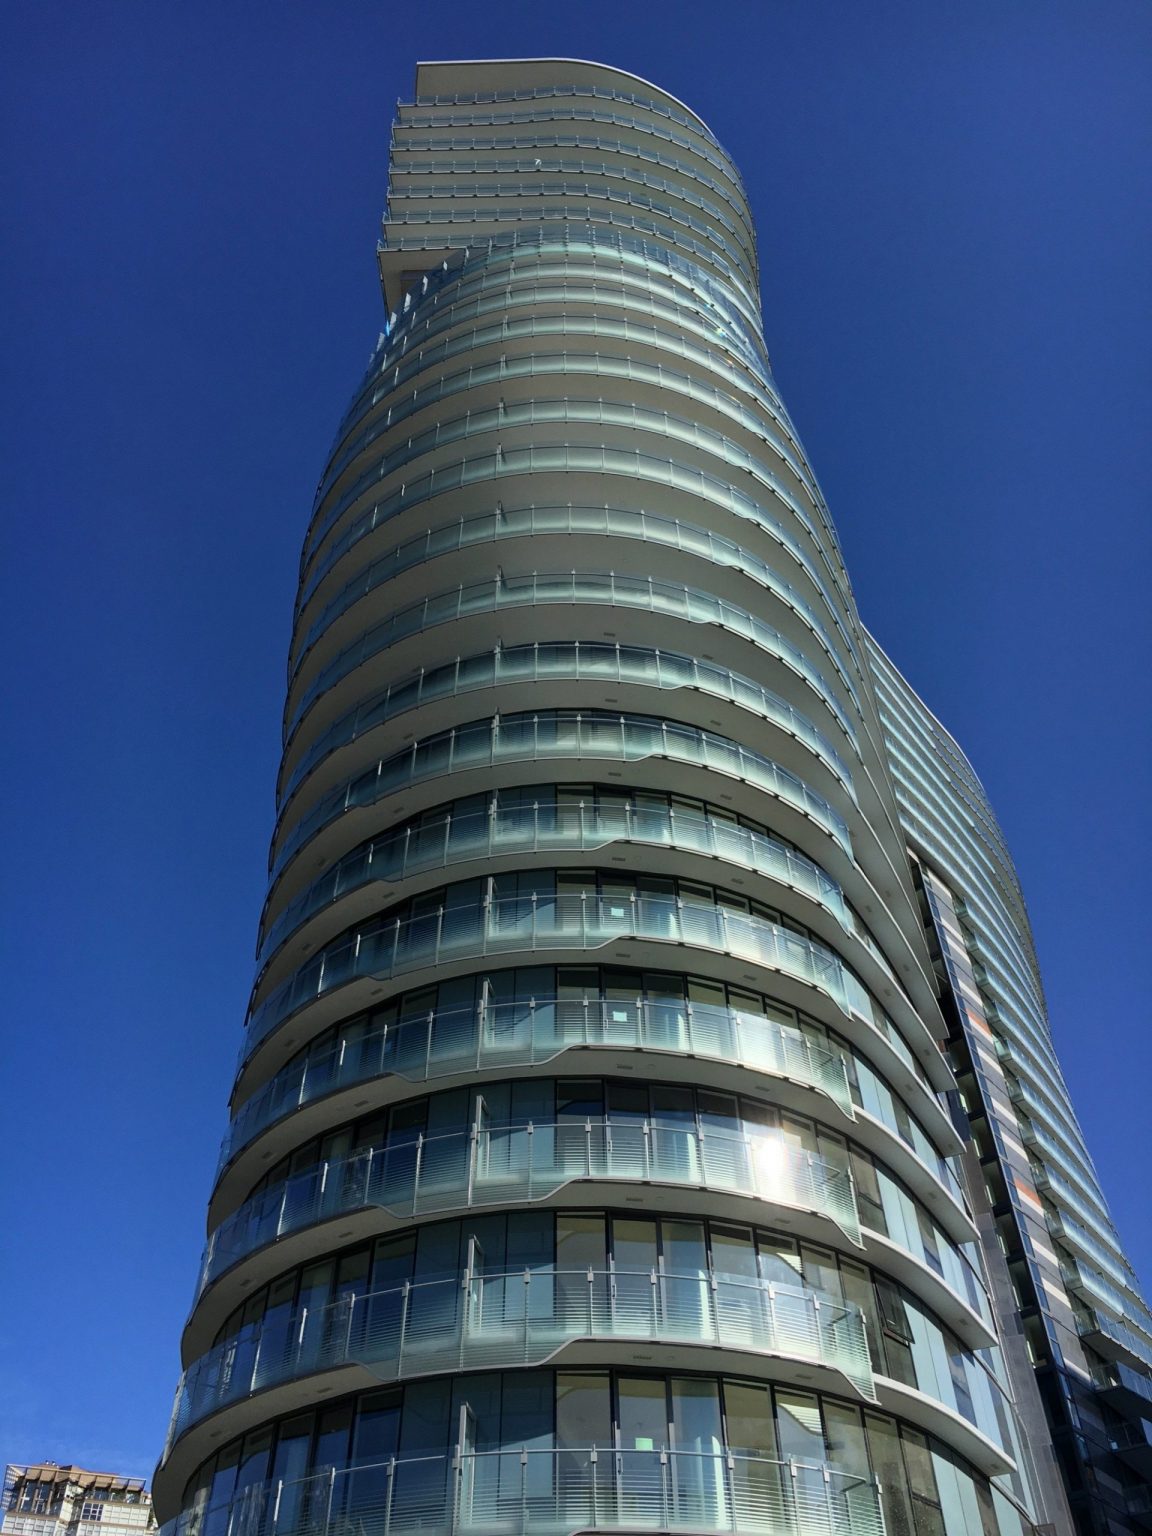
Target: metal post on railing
350, 1303
830, 1513
792, 1496
331, 1498
527, 1310
388, 1495
276, 1504
405, 1292
417, 1170
364, 1163
730, 1490
481, 1021
769, 1294
300, 1333
713, 1293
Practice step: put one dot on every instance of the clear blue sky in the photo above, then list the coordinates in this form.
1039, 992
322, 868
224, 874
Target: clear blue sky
954, 207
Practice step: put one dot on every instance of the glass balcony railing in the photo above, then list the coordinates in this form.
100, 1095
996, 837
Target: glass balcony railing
554, 218
495, 1321
505, 1165
1061, 1224
1116, 1375
563, 195
671, 382
451, 1041
567, 661
582, 91
550, 734
723, 338
1047, 1178
644, 594
530, 924
541, 412
529, 829
552, 247
646, 279
418, 171
648, 282
531, 1491
1092, 1286
563, 459
524, 522
1138, 1345
650, 294
415, 157
494, 110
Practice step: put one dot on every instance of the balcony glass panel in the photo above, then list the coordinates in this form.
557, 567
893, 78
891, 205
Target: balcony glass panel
578, 922
651, 291
550, 734
649, 280
447, 1042
495, 1321
540, 412
562, 458
604, 589
512, 523
503, 1165
522, 829
571, 661
543, 1492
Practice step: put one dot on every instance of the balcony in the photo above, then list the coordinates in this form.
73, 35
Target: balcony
1133, 1447
1127, 1391
541, 1492
667, 483
507, 1165
450, 1042
551, 735
498, 1321
503, 598
1115, 1341
519, 423
517, 831
565, 665
544, 924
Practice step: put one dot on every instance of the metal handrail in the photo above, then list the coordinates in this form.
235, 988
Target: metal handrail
507, 1164
554, 1492
488, 1321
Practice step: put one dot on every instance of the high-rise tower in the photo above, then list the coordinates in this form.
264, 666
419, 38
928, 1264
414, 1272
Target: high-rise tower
596, 1152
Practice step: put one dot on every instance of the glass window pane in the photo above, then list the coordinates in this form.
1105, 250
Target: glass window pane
696, 1414
748, 1417
798, 1425
583, 1410
733, 1251
643, 1414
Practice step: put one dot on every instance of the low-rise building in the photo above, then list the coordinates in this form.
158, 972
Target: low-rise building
51, 1500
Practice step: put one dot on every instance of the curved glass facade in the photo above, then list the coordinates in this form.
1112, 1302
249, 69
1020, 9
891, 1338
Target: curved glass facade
595, 1158
1086, 1324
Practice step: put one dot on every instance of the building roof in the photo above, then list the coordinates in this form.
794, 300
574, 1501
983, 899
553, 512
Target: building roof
52, 1472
